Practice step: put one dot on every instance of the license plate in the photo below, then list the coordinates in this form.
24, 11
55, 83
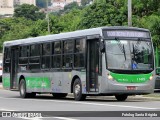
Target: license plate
131, 88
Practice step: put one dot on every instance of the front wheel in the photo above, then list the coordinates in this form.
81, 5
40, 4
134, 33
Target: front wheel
77, 90
22, 90
121, 97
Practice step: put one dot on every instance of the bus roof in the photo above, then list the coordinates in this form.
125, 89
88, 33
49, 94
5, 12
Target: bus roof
74, 34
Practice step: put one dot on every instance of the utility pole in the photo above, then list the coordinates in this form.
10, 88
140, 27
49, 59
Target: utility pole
47, 16
129, 13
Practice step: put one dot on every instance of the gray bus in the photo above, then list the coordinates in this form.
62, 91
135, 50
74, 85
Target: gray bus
110, 61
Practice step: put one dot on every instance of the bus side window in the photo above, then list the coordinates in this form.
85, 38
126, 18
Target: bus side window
34, 60
46, 52
6, 65
79, 53
68, 53
56, 51
23, 58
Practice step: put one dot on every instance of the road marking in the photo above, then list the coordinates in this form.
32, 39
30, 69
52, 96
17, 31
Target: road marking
64, 118
26, 118
7, 110
86, 103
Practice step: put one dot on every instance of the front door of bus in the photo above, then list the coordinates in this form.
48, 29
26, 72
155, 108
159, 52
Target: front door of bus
14, 65
92, 65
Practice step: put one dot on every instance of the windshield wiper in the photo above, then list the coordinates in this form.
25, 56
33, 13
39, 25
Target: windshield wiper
121, 47
133, 51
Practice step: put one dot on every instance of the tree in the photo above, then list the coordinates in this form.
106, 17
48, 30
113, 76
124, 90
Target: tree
145, 7
152, 23
71, 20
29, 12
85, 2
104, 13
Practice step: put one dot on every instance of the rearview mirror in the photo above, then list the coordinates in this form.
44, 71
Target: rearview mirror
158, 71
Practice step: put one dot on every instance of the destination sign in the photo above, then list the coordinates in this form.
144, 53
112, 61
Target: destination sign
126, 33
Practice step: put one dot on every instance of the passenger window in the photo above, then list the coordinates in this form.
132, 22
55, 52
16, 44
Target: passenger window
56, 58
79, 45
57, 47
24, 51
68, 46
79, 57
46, 49
35, 50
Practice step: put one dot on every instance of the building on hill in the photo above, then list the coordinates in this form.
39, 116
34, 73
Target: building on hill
20, 2
7, 6
60, 4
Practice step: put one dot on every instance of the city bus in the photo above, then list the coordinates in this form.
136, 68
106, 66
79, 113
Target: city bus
105, 61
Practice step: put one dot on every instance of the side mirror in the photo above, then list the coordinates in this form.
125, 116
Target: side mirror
102, 47
158, 71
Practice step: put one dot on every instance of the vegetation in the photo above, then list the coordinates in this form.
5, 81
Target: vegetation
29, 12
28, 22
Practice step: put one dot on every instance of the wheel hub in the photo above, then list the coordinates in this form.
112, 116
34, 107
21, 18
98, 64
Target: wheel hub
77, 89
22, 89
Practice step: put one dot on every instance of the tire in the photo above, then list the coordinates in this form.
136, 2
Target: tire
59, 95
122, 97
22, 90
77, 90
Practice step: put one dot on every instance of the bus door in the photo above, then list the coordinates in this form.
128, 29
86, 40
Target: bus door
92, 65
14, 65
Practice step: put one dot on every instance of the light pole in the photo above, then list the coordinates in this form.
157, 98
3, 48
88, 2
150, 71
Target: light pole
129, 13
47, 16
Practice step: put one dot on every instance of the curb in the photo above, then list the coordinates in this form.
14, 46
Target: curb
146, 98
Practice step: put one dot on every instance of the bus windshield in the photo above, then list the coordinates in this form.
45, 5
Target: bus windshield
129, 55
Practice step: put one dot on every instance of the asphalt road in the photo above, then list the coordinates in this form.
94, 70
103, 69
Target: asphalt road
68, 109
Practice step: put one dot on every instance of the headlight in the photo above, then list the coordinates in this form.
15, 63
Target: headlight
110, 77
151, 77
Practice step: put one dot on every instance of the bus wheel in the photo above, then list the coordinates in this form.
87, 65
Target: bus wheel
122, 97
59, 95
22, 90
77, 90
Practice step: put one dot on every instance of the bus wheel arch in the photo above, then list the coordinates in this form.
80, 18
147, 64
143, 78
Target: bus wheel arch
73, 79
20, 78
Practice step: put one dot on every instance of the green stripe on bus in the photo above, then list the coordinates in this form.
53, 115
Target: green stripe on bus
131, 78
6, 82
38, 82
